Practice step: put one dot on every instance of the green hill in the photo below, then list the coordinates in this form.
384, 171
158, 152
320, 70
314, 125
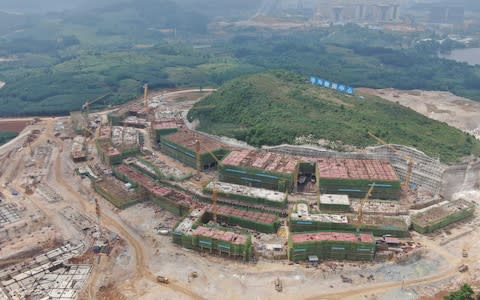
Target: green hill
275, 107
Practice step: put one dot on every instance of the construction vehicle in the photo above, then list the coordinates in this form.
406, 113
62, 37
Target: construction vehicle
462, 268
408, 159
465, 252
278, 284
192, 275
163, 279
28, 189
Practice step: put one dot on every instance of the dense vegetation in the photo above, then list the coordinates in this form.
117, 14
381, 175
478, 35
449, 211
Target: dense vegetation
276, 107
464, 293
361, 57
64, 58
5, 136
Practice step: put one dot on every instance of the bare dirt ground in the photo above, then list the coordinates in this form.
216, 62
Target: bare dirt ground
131, 274
13, 125
456, 111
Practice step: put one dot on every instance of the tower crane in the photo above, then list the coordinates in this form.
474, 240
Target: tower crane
86, 105
198, 162
85, 113
359, 217
197, 159
408, 159
145, 96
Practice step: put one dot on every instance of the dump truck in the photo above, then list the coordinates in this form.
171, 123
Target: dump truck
463, 268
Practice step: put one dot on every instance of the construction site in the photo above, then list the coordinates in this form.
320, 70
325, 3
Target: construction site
136, 195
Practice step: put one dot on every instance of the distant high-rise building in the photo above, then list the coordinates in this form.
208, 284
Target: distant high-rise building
449, 14
347, 10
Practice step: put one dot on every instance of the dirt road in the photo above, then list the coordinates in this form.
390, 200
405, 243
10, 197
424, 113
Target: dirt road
357, 292
110, 223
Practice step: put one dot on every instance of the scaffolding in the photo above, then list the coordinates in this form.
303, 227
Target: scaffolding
259, 169
177, 202
302, 221
331, 245
258, 221
117, 193
181, 146
214, 240
427, 171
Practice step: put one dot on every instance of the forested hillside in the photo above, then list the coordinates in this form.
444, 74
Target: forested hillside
276, 107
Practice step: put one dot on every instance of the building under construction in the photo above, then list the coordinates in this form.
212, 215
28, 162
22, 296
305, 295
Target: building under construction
248, 195
174, 201
329, 202
270, 170
117, 143
331, 245
301, 220
260, 169
135, 110
117, 192
183, 146
354, 177
189, 233
441, 215
258, 221
108, 154
165, 126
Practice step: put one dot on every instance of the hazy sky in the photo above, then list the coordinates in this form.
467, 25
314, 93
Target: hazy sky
35, 6
41, 6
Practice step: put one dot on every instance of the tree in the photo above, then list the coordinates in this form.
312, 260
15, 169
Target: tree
464, 293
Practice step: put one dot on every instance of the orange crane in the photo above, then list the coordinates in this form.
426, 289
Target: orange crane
408, 159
